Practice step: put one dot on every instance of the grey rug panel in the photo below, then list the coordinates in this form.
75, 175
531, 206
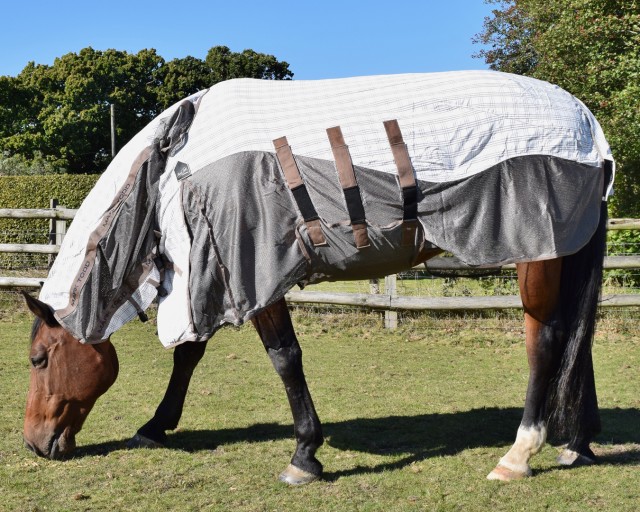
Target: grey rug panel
250, 246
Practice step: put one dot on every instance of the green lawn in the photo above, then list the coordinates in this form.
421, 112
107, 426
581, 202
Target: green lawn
414, 420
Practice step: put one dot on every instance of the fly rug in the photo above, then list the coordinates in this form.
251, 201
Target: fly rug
236, 194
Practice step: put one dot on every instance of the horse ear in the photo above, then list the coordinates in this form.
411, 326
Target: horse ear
41, 310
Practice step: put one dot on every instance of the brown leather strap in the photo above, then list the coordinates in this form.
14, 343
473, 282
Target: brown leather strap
299, 190
342, 157
350, 188
360, 235
287, 162
407, 182
400, 154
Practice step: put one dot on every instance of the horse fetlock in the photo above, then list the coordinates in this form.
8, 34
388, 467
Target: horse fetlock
154, 430
306, 447
306, 461
529, 441
515, 464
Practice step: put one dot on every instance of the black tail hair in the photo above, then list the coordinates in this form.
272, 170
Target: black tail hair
572, 402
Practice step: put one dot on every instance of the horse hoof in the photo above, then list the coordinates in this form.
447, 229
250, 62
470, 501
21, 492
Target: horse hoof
140, 441
507, 475
296, 476
572, 458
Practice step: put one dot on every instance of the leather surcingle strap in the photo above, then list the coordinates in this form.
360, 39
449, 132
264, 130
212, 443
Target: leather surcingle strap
350, 188
299, 191
407, 181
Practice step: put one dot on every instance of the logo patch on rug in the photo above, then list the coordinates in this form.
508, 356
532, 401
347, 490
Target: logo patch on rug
182, 171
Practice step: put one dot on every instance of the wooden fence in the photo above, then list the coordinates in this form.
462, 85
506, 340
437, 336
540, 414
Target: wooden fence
388, 301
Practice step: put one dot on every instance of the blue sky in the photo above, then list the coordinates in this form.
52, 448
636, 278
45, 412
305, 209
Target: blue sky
323, 39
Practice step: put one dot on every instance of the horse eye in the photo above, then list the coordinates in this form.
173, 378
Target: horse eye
39, 360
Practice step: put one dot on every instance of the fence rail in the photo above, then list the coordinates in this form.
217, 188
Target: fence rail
58, 213
404, 303
388, 302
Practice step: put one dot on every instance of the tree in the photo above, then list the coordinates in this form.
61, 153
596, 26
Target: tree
508, 37
59, 114
19, 108
226, 64
591, 48
180, 78
67, 121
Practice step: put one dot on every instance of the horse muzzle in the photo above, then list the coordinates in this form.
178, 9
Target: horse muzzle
57, 447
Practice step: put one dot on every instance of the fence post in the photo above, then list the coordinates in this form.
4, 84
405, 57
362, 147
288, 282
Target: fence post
61, 231
391, 317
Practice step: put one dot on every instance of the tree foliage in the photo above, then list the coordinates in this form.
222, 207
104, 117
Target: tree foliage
226, 64
591, 48
58, 116
180, 77
507, 38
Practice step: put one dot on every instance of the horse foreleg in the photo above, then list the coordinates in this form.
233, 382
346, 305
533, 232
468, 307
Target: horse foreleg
539, 289
152, 434
276, 331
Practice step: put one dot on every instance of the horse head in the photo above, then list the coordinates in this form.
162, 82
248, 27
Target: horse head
67, 377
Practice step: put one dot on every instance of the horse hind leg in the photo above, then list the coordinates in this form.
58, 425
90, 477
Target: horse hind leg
578, 452
276, 331
539, 289
185, 359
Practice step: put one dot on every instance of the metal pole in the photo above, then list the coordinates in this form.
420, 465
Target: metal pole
53, 203
113, 130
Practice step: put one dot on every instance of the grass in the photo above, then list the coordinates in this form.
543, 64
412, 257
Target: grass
414, 420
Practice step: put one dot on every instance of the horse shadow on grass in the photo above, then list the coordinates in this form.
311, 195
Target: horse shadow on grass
414, 438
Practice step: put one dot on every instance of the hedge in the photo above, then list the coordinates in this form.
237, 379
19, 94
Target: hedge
36, 192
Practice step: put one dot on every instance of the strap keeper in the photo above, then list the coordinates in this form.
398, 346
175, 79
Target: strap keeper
409, 229
314, 228
410, 203
360, 235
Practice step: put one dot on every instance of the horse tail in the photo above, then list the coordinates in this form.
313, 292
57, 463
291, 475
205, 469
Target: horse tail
572, 403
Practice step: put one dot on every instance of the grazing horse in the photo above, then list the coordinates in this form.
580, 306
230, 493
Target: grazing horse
278, 239
559, 297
